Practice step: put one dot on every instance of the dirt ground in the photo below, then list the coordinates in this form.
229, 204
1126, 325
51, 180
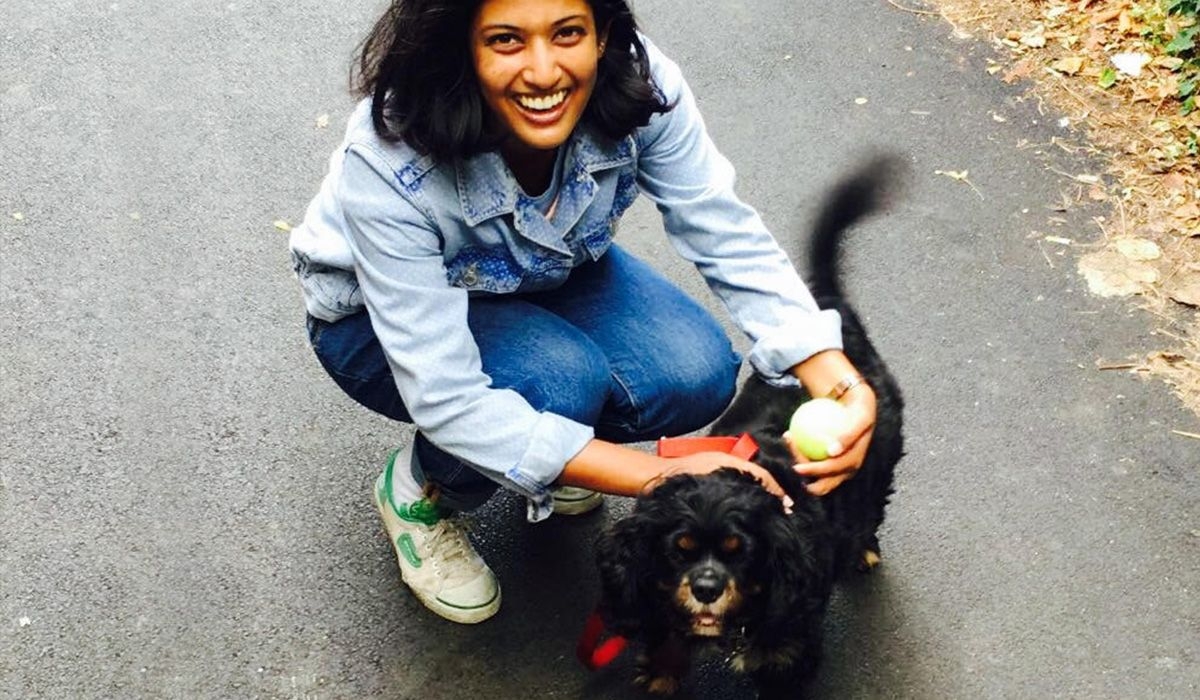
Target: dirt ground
1094, 63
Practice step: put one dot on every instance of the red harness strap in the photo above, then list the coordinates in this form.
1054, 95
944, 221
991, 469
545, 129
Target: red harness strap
591, 651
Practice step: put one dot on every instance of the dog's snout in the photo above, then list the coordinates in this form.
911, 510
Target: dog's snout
707, 585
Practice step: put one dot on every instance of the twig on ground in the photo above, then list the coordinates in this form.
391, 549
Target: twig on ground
1193, 436
1044, 255
960, 177
898, 6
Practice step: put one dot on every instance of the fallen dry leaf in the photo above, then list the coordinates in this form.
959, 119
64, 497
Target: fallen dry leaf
18, 216
1185, 288
322, 121
1140, 249
1020, 71
1175, 182
1125, 23
283, 225
1107, 15
1110, 274
1168, 62
1189, 211
1070, 65
1034, 38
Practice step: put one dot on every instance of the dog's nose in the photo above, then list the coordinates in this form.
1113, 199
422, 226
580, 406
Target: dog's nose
707, 586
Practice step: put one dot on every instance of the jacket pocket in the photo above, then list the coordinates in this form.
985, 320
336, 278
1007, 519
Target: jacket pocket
484, 269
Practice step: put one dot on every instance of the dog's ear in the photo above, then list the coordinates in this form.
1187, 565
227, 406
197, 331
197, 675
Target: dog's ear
626, 559
799, 569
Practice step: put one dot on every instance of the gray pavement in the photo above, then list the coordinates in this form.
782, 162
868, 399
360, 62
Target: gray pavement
184, 496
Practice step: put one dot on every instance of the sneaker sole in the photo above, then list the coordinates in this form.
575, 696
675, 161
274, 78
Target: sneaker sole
579, 506
454, 613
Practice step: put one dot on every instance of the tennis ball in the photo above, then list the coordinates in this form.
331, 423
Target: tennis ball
814, 424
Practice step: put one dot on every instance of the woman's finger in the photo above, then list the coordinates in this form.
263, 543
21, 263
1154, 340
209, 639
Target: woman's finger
860, 425
820, 487
828, 467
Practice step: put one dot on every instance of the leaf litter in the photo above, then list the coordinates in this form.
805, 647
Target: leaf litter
1095, 62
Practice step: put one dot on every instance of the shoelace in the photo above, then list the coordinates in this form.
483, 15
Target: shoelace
449, 545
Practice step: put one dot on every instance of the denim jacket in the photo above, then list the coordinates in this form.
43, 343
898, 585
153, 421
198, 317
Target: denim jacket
410, 239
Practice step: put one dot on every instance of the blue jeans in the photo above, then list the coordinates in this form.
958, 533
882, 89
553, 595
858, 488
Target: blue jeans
617, 347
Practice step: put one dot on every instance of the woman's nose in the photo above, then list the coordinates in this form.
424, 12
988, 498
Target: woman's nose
542, 70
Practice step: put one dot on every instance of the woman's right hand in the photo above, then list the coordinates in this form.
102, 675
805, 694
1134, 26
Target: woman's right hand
706, 462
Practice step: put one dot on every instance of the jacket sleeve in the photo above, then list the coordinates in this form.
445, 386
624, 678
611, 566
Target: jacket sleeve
692, 184
421, 322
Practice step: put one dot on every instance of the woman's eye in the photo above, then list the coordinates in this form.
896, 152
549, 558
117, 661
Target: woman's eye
572, 34
502, 40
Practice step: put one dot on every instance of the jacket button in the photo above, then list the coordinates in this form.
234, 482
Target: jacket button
470, 275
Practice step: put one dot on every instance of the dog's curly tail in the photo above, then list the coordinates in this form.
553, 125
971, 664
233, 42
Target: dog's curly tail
863, 192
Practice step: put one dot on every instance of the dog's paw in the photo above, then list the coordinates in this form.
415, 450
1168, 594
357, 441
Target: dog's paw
659, 685
654, 680
869, 560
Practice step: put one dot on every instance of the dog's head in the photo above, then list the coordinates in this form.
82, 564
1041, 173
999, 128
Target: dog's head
707, 556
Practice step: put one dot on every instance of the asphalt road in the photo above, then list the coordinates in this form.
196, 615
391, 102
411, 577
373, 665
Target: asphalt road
184, 496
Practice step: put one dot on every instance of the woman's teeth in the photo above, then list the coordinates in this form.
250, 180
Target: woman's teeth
541, 104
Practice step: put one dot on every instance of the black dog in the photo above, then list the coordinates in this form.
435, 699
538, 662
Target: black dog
713, 562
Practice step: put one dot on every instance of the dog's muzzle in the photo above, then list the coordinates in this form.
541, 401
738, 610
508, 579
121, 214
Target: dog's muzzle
707, 585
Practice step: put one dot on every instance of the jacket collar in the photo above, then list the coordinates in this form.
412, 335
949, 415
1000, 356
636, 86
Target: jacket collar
487, 188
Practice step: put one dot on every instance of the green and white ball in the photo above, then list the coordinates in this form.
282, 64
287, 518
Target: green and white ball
815, 424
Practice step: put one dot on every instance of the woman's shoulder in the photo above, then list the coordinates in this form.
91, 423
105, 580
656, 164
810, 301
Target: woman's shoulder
667, 75
396, 156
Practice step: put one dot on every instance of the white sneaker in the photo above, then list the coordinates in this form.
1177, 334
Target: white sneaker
436, 559
571, 500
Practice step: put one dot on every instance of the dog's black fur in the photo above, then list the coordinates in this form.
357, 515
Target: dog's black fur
713, 562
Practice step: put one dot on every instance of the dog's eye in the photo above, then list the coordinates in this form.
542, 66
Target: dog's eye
731, 544
687, 543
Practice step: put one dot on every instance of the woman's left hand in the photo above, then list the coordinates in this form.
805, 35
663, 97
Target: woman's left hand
830, 473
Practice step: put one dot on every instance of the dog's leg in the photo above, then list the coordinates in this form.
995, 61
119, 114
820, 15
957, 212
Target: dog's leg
788, 683
661, 668
871, 556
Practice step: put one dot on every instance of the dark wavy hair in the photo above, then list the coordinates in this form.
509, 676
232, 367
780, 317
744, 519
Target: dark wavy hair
416, 67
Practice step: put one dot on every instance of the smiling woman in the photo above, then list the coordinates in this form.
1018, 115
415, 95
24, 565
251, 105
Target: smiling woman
536, 64
459, 274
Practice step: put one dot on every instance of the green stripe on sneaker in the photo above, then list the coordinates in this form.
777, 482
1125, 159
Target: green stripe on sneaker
422, 511
408, 549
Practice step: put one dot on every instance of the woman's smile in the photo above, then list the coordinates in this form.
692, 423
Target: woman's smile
544, 104
536, 63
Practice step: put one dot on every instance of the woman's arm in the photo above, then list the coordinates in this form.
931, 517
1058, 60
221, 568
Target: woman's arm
623, 471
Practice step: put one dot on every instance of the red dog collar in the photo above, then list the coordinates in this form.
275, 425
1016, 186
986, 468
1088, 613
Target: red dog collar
742, 446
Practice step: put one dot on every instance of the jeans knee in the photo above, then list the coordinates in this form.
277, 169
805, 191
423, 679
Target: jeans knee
684, 396
571, 381
702, 389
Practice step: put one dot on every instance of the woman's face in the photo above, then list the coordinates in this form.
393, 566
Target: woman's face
536, 63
